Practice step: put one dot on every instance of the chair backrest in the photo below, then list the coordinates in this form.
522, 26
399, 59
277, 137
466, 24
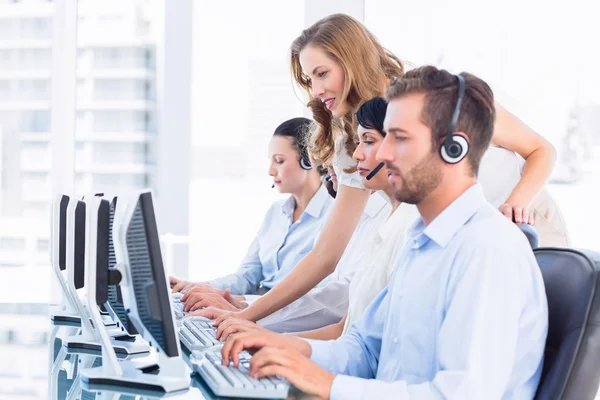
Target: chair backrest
531, 235
572, 358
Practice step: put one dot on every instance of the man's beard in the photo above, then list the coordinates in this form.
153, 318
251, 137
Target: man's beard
419, 182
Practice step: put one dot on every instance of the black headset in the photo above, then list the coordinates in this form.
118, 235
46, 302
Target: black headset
304, 159
455, 147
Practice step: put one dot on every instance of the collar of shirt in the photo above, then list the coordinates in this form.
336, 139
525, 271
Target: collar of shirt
449, 221
315, 205
375, 204
404, 215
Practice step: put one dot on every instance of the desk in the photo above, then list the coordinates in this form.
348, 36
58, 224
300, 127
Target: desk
198, 389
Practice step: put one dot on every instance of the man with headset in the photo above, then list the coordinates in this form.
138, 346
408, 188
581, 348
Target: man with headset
465, 314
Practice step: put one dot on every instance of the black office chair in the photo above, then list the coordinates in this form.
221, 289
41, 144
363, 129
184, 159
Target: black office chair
571, 368
531, 234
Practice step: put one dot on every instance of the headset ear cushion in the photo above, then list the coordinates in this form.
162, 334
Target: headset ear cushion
305, 164
455, 150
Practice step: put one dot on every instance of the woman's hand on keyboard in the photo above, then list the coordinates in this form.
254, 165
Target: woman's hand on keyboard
177, 284
236, 325
210, 313
195, 301
232, 314
254, 341
294, 366
185, 286
199, 287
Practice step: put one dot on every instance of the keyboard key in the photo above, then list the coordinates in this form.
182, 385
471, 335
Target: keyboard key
235, 382
203, 324
249, 383
188, 335
215, 358
188, 324
228, 374
214, 374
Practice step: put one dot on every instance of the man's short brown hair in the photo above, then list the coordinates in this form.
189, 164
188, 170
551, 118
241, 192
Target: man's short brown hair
477, 112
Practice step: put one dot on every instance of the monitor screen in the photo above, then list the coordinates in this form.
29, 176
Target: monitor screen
148, 278
115, 297
79, 249
62, 232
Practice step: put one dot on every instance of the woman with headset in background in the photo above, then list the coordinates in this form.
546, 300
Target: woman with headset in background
288, 230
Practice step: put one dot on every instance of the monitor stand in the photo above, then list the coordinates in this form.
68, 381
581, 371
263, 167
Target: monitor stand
77, 344
64, 318
126, 376
132, 380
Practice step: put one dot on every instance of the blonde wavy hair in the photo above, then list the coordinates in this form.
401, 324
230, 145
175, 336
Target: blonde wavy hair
367, 65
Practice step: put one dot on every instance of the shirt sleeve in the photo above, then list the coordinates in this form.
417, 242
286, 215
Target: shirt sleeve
477, 342
357, 352
352, 180
247, 278
324, 305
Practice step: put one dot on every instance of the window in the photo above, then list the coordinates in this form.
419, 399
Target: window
30, 59
35, 154
14, 265
6, 91
33, 90
8, 243
120, 121
149, 59
119, 153
43, 245
120, 90
32, 121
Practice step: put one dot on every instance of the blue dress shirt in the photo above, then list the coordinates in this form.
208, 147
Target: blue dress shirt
463, 317
279, 244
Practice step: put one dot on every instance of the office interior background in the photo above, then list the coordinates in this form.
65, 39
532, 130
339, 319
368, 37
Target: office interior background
182, 96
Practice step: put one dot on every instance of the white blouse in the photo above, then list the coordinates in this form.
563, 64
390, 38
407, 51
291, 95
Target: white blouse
373, 276
342, 161
499, 172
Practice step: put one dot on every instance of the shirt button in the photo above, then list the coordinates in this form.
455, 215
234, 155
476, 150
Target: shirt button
395, 340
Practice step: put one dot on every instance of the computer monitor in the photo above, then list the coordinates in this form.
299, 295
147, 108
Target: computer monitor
115, 305
64, 228
79, 243
81, 223
61, 224
146, 300
58, 254
137, 245
75, 266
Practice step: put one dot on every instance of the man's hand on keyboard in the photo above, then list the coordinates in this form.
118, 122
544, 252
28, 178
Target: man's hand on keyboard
196, 300
236, 325
254, 341
294, 366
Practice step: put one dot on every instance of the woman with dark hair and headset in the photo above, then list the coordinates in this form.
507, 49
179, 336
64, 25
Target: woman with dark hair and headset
288, 230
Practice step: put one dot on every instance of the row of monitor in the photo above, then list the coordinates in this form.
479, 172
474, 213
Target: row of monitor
109, 249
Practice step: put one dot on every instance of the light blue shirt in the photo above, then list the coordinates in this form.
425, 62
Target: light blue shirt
463, 317
279, 244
